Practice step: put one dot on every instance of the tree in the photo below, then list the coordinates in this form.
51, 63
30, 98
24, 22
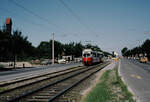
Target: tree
45, 49
78, 49
22, 48
5, 46
124, 50
146, 48
93, 47
58, 48
69, 48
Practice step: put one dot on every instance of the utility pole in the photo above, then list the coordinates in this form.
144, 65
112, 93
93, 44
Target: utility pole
53, 49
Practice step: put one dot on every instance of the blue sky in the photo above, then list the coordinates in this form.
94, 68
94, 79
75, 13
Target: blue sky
110, 24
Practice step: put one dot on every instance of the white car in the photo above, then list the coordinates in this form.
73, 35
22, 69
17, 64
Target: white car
46, 62
61, 61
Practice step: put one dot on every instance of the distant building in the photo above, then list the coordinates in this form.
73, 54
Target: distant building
68, 58
115, 54
8, 25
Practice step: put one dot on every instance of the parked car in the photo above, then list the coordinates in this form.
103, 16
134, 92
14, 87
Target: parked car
61, 61
46, 62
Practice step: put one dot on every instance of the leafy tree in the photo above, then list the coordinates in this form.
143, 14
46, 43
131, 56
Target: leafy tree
146, 47
78, 49
58, 48
96, 48
45, 49
22, 48
5, 46
124, 50
69, 48
16, 44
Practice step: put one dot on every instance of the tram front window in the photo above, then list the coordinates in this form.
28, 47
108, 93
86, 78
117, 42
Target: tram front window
86, 55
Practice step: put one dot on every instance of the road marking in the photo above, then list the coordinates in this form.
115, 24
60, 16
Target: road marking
136, 76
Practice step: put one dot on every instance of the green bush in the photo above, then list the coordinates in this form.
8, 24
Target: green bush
1, 66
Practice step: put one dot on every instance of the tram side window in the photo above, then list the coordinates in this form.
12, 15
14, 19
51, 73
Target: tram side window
98, 55
101, 55
94, 54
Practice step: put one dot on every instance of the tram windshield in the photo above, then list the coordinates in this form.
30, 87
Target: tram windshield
86, 55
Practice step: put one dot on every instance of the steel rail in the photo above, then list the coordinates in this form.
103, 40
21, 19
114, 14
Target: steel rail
78, 82
9, 83
69, 71
51, 84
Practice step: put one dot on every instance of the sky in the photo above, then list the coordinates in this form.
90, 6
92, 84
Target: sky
110, 24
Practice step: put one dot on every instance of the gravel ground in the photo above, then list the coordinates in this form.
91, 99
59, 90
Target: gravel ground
78, 93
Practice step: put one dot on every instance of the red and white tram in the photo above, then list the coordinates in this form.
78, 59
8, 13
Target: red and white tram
90, 57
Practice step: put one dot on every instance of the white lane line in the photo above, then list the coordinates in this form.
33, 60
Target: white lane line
136, 76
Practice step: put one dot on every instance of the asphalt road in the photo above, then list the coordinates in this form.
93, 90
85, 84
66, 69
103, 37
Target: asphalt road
137, 77
27, 72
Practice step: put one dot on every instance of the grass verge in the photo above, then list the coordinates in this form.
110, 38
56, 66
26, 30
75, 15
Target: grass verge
1, 66
110, 89
1, 89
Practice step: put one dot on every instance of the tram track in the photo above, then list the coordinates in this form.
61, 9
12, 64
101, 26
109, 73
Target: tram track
8, 88
56, 85
17, 80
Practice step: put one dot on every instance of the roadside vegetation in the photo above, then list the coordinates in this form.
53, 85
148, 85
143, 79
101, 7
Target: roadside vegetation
1, 66
110, 89
2, 89
141, 50
17, 46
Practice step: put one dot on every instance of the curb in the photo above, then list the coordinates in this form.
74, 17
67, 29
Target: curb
128, 87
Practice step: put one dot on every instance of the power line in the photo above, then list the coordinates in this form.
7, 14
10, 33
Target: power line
27, 21
47, 20
3, 9
32, 13
74, 14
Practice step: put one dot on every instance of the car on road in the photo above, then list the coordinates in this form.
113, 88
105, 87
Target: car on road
61, 61
143, 59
